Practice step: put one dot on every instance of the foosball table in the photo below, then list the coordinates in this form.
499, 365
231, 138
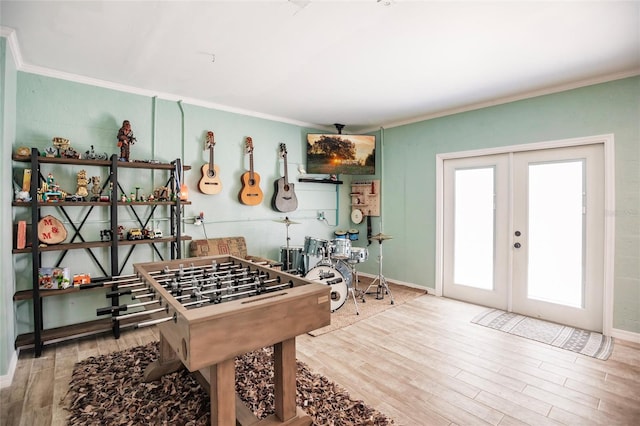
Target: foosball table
219, 307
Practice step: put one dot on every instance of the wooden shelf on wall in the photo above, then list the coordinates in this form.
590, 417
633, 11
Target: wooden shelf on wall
94, 244
320, 180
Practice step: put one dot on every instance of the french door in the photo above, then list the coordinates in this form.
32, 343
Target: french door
524, 232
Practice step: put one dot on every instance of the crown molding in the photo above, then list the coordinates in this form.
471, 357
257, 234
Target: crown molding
22, 66
12, 42
14, 46
507, 99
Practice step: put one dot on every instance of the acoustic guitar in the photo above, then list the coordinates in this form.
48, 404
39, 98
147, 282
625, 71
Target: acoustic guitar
284, 198
250, 194
210, 181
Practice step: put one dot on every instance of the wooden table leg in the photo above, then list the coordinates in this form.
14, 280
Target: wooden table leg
167, 362
285, 369
222, 378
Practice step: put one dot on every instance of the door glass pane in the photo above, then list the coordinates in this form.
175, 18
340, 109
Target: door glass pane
474, 227
555, 238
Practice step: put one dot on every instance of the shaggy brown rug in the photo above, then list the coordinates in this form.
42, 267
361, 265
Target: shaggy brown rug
108, 390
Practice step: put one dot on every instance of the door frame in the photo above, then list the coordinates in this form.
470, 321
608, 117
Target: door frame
607, 141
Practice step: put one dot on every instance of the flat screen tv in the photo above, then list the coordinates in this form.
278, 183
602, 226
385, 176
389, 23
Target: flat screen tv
336, 154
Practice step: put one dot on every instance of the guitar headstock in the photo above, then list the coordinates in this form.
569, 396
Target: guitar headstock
283, 150
249, 144
210, 140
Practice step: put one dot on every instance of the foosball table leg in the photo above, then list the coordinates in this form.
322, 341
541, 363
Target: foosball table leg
168, 362
222, 377
284, 357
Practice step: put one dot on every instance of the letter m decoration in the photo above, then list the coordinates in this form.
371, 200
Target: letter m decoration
51, 230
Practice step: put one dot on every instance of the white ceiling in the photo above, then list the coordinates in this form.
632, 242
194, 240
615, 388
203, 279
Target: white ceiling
364, 63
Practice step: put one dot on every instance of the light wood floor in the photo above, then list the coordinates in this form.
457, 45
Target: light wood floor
422, 363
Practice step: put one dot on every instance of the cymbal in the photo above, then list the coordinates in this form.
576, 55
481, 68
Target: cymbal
381, 237
286, 221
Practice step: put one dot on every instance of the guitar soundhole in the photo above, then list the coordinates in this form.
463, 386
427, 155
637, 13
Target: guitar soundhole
252, 182
286, 188
211, 173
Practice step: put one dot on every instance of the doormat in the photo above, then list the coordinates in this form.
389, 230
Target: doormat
572, 339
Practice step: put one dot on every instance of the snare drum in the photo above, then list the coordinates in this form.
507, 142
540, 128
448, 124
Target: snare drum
316, 246
359, 254
292, 260
353, 234
338, 276
340, 248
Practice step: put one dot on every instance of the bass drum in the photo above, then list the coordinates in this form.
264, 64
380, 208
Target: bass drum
338, 276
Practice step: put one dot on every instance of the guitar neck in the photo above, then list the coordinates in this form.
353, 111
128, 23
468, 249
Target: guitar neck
211, 157
251, 165
286, 174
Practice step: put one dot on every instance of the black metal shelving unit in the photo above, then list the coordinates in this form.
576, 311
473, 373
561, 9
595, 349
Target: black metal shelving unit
111, 268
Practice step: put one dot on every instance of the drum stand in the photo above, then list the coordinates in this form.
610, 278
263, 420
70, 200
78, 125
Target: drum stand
354, 287
382, 281
287, 261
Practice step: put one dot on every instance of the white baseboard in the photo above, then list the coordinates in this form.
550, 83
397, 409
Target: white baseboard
625, 335
629, 336
7, 379
412, 285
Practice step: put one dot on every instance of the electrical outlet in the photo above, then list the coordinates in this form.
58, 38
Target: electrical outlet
320, 215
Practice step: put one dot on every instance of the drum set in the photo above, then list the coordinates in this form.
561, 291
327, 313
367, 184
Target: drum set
336, 267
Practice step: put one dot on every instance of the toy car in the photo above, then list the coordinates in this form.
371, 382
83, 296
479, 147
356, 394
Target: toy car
134, 234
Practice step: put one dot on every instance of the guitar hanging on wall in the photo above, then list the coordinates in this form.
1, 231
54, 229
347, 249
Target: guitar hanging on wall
284, 199
210, 181
250, 194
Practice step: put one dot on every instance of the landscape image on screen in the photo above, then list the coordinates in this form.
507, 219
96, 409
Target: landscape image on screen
341, 154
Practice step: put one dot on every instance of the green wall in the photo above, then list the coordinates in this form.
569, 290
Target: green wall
165, 130
409, 174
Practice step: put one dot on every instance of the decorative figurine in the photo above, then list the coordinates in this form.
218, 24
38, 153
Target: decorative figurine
20, 195
70, 153
91, 155
162, 193
50, 151
61, 144
23, 152
96, 189
81, 190
125, 140
50, 190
